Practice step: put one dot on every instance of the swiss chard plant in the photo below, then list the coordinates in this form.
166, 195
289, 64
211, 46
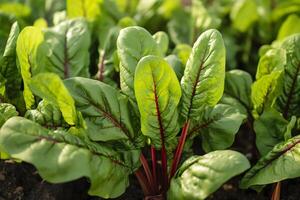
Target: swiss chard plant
76, 126
275, 99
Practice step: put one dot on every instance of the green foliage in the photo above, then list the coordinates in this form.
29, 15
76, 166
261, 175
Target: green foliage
203, 80
157, 92
199, 176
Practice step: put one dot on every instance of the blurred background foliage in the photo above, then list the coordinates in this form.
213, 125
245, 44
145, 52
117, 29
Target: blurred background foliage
246, 25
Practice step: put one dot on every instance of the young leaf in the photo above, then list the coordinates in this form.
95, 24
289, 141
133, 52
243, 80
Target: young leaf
281, 163
176, 64
51, 88
47, 115
61, 157
89, 9
217, 126
272, 61
199, 176
68, 49
157, 92
237, 90
265, 90
7, 111
107, 113
203, 80
269, 129
133, 43
162, 41
28, 44
289, 27
243, 14
289, 99
8, 65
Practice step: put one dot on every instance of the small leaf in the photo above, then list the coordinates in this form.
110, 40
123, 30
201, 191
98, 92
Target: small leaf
281, 163
51, 88
28, 44
269, 129
289, 27
217, 127
200, 176
176, 64
89, 9
133, 43
243, 14
7, 111
238, 86
203, 80
60, 157
157, 93
162, 41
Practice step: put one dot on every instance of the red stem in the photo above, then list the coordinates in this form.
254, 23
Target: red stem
164, 168
179, 149
154, 168
143, 182
147, 171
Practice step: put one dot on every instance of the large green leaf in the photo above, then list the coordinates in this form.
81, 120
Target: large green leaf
8, 65
51, 88
237, 90
203, 80
199, 176
281, 163
217, 126
68, 49
157, 92
133, 43
28, 44
107, 113
61, 157
289, 99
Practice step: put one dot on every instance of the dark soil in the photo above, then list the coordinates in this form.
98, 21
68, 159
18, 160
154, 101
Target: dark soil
20, 181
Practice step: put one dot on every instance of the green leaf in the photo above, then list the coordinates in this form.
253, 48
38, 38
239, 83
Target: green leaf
269, 129
217, 126
89, 9
107, 113
61, 157
289, 27
265, 90
200, 176
7, 111
47, 115
133, 43
176, 64
243, 14
8, 65
162, 41
51, 88
157, 92
289, 99
17, 9
238, 86
203, 80
281, 163
183, 52
28, 44
273, 60
68, 49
